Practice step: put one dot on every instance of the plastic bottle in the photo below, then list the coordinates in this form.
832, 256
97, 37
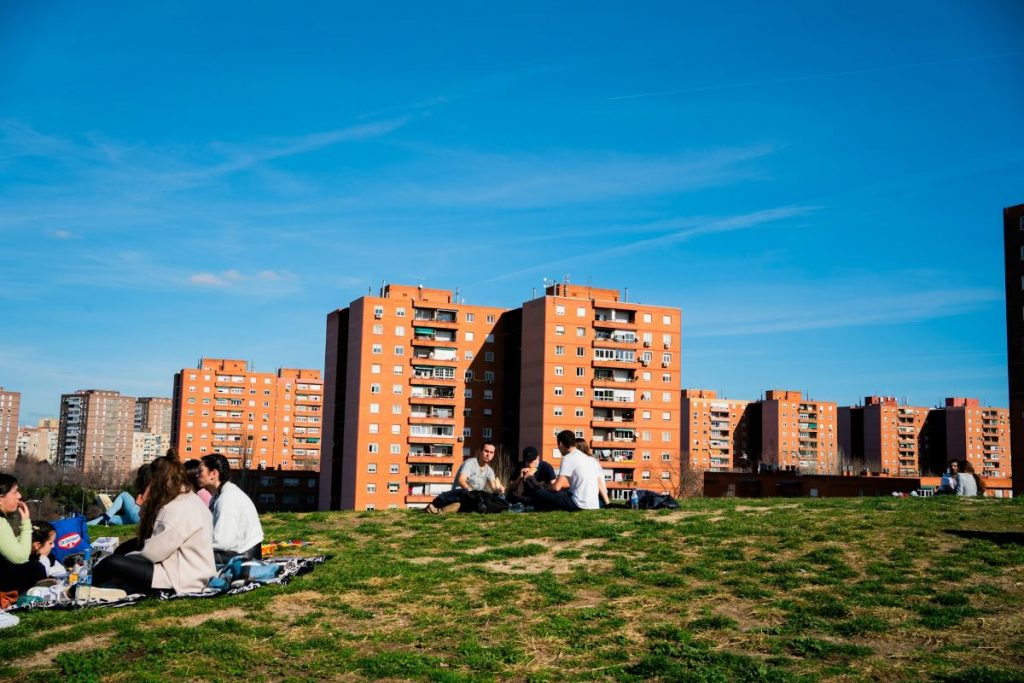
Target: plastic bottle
634, 501
85, 573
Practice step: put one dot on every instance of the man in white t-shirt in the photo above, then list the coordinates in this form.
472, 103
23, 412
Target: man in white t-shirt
577, 486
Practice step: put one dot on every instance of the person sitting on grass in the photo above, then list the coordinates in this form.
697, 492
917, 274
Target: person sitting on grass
475, 474
949, 479
43, 537
124, 509
236, 523
192, 474
602, 489
530, 474
968, 483
175, 539
18, 572
576, 487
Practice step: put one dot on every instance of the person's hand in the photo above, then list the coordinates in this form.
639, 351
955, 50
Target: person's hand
23, 509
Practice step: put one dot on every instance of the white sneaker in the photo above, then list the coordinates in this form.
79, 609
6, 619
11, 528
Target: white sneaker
8, 620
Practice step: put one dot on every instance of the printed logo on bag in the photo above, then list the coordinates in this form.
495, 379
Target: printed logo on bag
70, 541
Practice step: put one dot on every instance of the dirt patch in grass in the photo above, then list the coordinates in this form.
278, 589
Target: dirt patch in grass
46, 657
295, 604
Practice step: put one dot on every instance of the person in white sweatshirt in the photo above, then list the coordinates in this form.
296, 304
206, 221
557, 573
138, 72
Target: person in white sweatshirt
236, 523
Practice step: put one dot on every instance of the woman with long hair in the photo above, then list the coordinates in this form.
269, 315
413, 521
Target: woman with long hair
968, 482
175, 538
17, 571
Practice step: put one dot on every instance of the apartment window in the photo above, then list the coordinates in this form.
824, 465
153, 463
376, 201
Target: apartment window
467, 432
374, 388
396, 389
489, 376
370, 507
559, 350
559, 371
396, 409
646, 474
666, 475
378, 329
666, 377
647, 317
468, 375
468, 336
666, 436
559, 329
374, 408
468, 355
580, 353
470, 317
371, 488
486, 432
397, 370
490, 318
399, 350
466, 412
667, 457
393, 469
490, 338
666, 320
378, 311
581, 332
489, 356
558, 392
371, 468
373, 448
558, 411
375, 369
559, 310
666, 396
647, 454
396, 429
666, 358
666, 415
400, 311
488, 412
488, 394
377, 349
579, 412
645, 436
396, 449
580, 372
579, 392
374, 427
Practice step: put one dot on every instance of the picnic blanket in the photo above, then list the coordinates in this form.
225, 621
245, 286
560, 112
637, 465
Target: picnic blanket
289, 568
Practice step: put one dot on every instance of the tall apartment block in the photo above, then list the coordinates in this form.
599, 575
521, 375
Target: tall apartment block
153, 415
1013, 246
414, 382
609, 370
884, 436
980, 435
715, 431
256, 419
10, 411
39, 443
95, 434
798, 433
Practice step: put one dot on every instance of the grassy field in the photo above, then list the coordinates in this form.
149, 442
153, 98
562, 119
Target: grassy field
721, 590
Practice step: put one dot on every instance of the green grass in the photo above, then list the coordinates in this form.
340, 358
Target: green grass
721, 590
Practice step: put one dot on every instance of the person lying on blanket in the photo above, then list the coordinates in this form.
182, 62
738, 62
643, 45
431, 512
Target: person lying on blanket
236, 523
175, 538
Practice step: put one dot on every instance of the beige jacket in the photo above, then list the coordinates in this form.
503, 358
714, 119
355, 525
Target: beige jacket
181, 547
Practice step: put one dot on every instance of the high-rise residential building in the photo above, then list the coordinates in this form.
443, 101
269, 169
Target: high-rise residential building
96, 432
39, 443
147, 446
1013, 247
609, 370
716, 434
414, 382
798, 433
885, 437
255, 419
153, 415
10, 411
980, 435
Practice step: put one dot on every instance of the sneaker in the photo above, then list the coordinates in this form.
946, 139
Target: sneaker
84, 593
8, 620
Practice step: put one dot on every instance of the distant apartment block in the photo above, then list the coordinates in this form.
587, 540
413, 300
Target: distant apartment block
413, 384
798, 433
153, 415
885, 437
147, 446
980, 435
95, 433
256, 419
609, 370
416, 380
10, 411
39, 443
1013, 244
715, 431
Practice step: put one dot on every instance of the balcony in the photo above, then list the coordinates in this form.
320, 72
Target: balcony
431, 340
447, 360
431, 419
615, 324
424, 317
416, 457
429, 478
431, 400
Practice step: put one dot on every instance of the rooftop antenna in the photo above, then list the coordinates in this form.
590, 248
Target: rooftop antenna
625, 294
382, 283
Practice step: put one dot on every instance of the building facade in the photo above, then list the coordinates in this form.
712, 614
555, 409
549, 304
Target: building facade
609, 370
715, 431
147, 446
153, 415
10, 412
39, 443
95, 434
799, 434
884, 437
257, 420
1013, 247
413, 385
980, 435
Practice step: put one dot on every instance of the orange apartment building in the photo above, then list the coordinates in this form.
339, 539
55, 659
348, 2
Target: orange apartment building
715, 431
980, 435
610, 371
798, 433
414, 382
95, 434
10, 411
885, 437
255, 419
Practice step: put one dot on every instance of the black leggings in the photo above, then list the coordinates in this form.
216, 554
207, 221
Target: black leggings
133, 573
20, 577
224, 556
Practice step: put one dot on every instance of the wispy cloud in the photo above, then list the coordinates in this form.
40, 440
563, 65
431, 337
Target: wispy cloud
233, 278
63, 235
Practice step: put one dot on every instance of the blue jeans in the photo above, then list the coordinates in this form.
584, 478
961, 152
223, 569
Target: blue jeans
123, 510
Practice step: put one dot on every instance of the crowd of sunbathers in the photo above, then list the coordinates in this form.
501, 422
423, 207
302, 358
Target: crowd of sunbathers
534, 485
191, 519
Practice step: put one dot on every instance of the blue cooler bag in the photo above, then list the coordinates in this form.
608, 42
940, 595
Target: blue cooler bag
72, 537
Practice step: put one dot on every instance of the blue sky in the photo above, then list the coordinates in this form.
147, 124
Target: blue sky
818, 186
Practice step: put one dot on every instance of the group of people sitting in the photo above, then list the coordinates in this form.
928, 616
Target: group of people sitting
960, 479
187, 526
578, 485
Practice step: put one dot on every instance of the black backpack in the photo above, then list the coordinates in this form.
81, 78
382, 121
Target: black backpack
483, 502
657, 501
